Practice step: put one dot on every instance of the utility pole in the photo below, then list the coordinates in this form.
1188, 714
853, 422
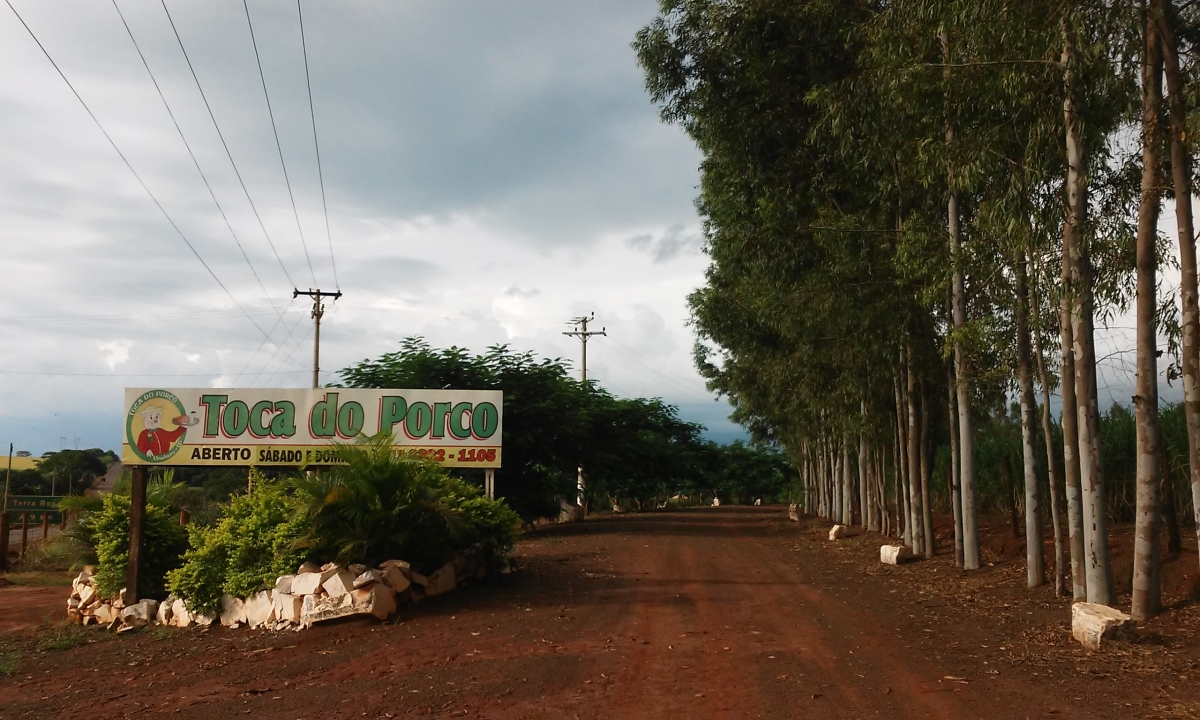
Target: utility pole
581, 331
317, 312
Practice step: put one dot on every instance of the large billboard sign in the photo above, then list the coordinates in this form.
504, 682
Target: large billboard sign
289, 427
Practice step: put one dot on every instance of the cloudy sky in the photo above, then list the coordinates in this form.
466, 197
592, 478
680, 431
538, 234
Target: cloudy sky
491, 170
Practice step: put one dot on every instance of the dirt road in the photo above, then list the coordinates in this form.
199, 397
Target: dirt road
716, 612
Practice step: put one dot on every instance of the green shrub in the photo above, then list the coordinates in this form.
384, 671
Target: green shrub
252, 544
163, 546
488, 526
380, 506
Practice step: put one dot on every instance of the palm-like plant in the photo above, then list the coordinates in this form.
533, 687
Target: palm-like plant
379, 505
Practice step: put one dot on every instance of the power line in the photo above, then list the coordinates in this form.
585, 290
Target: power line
282, 342
108, 319
278, 145
283, 363
187, 145
146, 375
225, 145
128, 165
320, 175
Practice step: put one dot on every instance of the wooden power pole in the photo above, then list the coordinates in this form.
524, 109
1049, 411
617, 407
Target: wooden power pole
317, 312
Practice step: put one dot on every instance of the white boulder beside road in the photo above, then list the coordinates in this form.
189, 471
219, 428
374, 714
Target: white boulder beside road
1092, 623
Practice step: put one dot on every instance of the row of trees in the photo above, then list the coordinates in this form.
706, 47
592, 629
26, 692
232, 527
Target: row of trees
917, 209
634, 451
61, 473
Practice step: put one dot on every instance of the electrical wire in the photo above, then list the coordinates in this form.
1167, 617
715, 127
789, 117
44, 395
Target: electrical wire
146, 375
225, 145
281, 343
278, 145
125, 160
296, 348
192, 154
316, 147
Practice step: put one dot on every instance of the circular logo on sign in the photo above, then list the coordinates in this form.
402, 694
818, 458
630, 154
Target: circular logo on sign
156, 425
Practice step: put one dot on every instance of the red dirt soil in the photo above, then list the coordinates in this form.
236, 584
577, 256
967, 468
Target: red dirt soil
716, 612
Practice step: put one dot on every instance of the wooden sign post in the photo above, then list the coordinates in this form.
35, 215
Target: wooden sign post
137, 525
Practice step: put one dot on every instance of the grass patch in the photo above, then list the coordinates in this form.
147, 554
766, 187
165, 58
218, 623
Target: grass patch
60, 636
60, 553
8, 662
38, 578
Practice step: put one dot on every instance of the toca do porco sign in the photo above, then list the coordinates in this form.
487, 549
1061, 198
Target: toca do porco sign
288, 427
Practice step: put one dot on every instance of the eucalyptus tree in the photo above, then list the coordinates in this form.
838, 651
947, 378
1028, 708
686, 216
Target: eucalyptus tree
1147, 586
1171, 21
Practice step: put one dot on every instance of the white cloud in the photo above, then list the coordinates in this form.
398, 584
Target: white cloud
115, 352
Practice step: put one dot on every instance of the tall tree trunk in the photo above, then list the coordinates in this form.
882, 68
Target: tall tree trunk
902, 507
914, 458
1060, 560
898, 477
1035, 559
966, 431
926, 470
1181, 170
863, 452
847, 488
1147, 586
1097, 567
839, 469
879, 493
1069, 421
952, 474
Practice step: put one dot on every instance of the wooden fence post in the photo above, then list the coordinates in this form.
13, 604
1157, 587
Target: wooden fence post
24, 533
45, 527
137, 522
4, 532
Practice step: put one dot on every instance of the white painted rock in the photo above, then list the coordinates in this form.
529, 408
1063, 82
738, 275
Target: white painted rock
139, 614
894, 554
180, 617
441, 581
88, 596
357, 569
163, 615
233, 611
205, 619
837, 532
339, 583
1091, 623
308, 567
367, 577
283, 584
260, 608
402, 564
288, 607
104, 613
716, 502
377, 600
394, 578
308, 583
793, 513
